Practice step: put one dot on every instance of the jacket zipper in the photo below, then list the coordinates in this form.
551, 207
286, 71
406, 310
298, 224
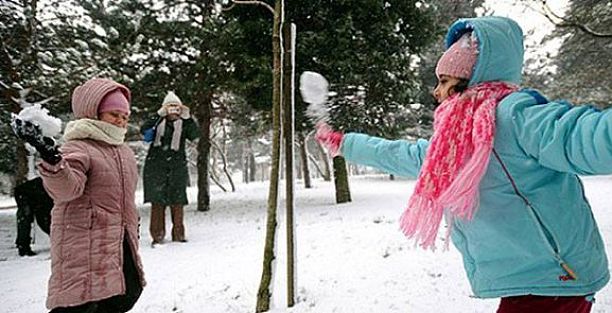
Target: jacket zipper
545, 233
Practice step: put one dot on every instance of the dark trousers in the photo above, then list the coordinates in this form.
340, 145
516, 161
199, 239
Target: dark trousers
32, 202
540, 304
119, 303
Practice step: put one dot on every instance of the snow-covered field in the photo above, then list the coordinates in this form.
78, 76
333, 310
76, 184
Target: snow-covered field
351, 257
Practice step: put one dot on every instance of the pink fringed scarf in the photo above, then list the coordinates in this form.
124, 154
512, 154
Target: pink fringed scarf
456, 160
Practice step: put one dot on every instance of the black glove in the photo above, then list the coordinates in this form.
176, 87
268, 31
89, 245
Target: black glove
32, 134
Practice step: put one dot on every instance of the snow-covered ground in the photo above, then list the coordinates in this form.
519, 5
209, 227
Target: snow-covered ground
351, 257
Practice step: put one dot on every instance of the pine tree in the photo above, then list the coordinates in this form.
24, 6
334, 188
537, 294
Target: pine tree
177, 45
44, 53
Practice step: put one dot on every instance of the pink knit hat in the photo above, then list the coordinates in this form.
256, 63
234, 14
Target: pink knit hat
87, 97
115, 101
459, 60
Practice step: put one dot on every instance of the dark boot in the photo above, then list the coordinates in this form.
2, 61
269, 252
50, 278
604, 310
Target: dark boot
26, 251
90, 307
157, 225
178, 229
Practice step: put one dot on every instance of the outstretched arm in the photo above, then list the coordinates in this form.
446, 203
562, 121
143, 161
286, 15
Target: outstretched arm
566, 138
397, 157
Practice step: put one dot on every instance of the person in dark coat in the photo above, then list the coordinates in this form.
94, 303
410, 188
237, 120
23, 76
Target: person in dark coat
165, 174
32, 202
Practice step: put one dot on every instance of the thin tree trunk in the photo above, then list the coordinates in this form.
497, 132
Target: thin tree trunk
323, 155
203, 114
264, 294
288, 131
343, 192
304, 159
224, 160
214, 178
244, 160
316, 165
252, 166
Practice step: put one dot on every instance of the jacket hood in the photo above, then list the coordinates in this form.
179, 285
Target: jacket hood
500, 47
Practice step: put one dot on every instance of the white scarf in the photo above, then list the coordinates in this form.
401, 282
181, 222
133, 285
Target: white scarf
94, 129
176, 134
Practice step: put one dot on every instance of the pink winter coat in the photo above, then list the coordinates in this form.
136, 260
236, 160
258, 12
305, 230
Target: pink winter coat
93, 190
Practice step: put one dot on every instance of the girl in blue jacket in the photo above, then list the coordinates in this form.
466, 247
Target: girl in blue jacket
502, 169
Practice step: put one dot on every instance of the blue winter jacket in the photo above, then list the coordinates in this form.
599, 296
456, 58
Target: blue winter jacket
539, 238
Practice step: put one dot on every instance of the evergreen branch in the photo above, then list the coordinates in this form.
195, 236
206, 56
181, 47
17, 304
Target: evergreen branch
267, 6
15, 3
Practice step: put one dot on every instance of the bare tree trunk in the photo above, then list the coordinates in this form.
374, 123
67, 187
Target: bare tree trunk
327, 173
288, 131
343, 192
224, 160
316, 165
252, 166
264, 294
244, 160
304, 159
203, 114
214, 178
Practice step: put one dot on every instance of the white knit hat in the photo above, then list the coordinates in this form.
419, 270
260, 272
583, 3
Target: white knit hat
171, 98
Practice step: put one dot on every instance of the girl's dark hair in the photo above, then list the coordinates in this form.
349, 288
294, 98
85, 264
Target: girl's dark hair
459, 88
461, 85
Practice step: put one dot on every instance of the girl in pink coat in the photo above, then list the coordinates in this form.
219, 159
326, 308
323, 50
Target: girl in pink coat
95, 266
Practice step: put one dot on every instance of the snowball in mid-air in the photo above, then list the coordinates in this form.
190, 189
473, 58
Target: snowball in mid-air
313, 87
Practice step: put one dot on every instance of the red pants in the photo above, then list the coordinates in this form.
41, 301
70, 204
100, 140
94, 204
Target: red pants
540, 304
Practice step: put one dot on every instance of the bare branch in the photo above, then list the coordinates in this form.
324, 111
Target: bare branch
229, 8
560, 21
3, 85
267, 6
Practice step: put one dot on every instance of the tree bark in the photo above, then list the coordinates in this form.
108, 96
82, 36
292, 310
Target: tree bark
203, 113
264, 294
252, 167
343, 192
288, 132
